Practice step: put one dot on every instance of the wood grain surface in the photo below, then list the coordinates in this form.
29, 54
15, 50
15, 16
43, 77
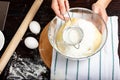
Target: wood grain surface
45, 48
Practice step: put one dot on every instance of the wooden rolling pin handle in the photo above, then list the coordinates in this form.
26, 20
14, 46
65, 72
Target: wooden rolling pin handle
19, 34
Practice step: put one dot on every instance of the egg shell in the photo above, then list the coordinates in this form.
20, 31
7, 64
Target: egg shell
34, 27
31, 42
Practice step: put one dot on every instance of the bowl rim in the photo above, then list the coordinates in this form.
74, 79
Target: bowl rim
96, 52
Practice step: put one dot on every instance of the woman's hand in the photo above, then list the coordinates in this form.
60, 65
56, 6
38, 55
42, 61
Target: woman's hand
100, 10
60, 7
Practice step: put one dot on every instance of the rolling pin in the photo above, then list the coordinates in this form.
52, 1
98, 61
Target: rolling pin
19, 34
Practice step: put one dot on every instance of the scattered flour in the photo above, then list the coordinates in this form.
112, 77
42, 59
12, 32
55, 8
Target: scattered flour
24, 68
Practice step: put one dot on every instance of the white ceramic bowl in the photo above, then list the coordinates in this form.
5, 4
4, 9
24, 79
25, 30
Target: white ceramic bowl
2, 40
57, 29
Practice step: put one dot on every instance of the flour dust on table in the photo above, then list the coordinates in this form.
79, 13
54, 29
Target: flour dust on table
25, 68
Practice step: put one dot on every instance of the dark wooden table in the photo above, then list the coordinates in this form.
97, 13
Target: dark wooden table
16, 13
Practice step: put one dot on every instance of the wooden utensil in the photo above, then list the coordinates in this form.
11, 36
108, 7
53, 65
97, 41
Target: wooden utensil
19, 34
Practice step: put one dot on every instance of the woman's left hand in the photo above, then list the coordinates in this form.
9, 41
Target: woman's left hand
101, 10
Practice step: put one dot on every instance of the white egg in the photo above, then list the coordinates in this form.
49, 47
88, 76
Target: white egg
34, 27
31, 43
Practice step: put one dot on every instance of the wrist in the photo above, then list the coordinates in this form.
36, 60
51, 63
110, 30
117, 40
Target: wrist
103, 3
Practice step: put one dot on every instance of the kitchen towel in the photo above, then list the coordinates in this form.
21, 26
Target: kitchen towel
102, 66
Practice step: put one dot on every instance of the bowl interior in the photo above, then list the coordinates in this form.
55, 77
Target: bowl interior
82, 16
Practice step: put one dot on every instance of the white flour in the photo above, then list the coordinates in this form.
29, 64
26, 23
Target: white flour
89, 44
24, 68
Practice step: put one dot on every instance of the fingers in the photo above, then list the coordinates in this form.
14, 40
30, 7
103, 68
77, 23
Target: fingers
100, 11
67, 5
56, 9
60, 7
104, 16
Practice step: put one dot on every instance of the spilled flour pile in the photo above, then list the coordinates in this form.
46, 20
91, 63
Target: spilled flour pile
25, 68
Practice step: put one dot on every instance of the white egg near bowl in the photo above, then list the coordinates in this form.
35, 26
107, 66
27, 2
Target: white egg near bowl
34, 27
31, 42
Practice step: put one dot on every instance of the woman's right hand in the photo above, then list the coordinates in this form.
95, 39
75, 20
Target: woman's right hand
60, 7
